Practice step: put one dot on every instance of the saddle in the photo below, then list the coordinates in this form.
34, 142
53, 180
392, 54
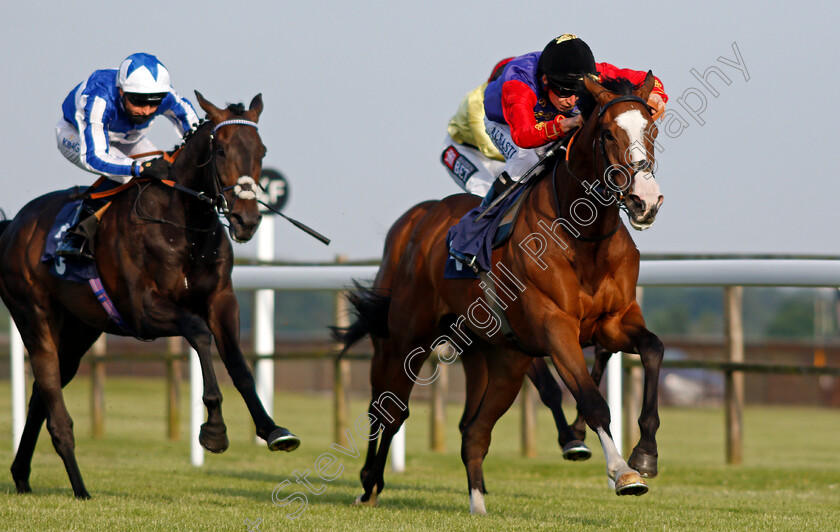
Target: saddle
68, 269
499, 231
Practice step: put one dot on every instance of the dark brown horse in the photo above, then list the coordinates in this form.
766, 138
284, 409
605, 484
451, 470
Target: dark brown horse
565, 279
165, 261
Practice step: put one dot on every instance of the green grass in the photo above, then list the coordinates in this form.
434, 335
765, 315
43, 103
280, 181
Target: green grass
141, 481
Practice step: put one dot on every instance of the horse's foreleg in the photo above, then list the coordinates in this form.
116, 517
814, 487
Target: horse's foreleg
631, 335
223, 320
602, 356
566, 354
213, 434
644, 456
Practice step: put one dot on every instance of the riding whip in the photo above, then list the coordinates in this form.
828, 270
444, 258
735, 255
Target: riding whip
299, 225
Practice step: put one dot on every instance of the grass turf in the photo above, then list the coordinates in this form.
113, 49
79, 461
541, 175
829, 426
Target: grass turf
139, 480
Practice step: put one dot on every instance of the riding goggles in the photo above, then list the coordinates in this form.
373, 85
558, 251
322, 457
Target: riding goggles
142, 100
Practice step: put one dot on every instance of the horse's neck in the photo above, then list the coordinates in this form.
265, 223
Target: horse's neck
193, 161
190, 170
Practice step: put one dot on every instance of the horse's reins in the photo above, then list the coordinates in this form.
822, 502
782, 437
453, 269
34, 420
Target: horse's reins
600, 188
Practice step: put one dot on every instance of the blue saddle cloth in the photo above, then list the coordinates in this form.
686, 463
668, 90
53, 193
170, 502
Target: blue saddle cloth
476, 238
68, 269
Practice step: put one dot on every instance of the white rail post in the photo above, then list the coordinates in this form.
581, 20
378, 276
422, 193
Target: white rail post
264, 324
196, 409
18, 378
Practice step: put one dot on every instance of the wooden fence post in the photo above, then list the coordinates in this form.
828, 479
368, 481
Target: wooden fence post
437, 419
734, 383
341, 372
97, 388
173, 387
529, 420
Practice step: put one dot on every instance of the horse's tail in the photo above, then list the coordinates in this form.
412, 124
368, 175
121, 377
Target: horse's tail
370, 308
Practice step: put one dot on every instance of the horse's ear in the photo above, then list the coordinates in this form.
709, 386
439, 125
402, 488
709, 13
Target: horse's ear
644, 91
256, 105
597, 90
212, 111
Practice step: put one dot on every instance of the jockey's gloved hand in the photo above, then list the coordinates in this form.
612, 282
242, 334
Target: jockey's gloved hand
156, 169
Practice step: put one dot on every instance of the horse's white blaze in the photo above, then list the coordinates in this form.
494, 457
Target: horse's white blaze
615, 462
644, 183
634, 124
477, 502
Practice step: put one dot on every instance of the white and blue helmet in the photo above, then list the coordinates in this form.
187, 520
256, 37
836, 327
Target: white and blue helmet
144, 74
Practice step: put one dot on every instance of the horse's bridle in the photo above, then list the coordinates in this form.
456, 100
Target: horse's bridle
601, 188
245, 187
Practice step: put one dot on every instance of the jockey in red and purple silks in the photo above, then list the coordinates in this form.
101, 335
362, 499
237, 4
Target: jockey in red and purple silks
532, 103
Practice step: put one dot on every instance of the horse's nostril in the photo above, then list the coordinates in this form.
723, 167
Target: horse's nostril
638, 202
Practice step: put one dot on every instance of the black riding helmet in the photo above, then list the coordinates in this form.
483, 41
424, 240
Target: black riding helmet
564, 62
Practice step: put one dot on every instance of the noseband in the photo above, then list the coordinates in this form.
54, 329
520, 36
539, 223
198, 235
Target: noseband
245, 187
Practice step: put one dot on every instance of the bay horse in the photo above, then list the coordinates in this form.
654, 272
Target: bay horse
165, 261
570, 282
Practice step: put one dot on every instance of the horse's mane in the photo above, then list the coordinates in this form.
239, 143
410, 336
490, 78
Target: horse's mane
236, 108
621, 86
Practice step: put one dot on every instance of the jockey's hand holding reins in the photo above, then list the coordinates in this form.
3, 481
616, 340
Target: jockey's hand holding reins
156, 169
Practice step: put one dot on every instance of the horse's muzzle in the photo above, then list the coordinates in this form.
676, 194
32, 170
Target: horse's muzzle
641, 213
243, 226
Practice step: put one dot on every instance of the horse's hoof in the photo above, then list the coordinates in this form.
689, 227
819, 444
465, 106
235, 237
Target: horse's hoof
23, 486
83, 495
576, 451
281, 439
213, 439
644, 463
630, 483
372, 500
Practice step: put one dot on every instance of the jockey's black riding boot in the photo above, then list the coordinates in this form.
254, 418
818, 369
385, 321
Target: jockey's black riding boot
502, 183
78, 239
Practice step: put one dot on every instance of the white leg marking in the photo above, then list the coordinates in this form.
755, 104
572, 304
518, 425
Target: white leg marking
477, 502
615, 462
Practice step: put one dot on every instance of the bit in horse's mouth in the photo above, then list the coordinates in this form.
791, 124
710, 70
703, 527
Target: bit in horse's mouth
639, 226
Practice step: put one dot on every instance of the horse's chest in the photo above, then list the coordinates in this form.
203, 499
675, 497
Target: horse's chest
600, 302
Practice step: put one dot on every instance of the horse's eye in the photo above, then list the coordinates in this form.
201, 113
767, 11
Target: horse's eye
220, 152
608, 135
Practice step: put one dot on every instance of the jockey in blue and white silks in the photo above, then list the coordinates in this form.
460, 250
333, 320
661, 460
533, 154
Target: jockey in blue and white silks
101, 128
105, 116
